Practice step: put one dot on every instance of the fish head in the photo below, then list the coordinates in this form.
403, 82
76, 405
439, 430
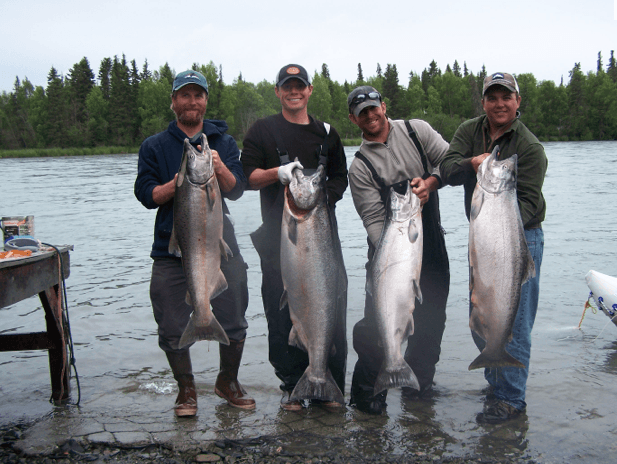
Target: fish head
306, 191
403, 203
496, 175
196, 165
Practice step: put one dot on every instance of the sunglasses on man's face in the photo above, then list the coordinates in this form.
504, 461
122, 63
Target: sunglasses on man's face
363, 96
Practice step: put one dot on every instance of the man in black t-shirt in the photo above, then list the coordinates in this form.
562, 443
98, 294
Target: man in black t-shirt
273, 148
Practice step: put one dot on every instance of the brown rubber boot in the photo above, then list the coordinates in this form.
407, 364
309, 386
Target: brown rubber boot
227, 385
186, 402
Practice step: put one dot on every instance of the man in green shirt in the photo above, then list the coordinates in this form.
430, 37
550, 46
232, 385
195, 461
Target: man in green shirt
472, 143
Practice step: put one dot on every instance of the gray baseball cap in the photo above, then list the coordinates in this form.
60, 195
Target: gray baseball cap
362, 97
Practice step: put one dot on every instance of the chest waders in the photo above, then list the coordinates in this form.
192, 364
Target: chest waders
434, 246
267, 238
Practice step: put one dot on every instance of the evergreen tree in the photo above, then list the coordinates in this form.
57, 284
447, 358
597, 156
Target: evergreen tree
360, 78
105, 77
576, 104
481, 75
378, 70
79, 82
429, 74
145, 72
122, 104
391, 92
599, 67
611, 68
456, 69
55, 128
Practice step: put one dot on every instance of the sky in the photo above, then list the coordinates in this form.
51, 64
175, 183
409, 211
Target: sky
257, 38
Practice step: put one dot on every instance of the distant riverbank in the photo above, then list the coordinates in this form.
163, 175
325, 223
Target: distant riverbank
88, 151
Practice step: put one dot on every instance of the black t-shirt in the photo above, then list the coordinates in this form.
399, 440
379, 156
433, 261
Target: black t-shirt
300, 141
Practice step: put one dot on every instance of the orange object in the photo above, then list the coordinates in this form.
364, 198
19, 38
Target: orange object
15, 254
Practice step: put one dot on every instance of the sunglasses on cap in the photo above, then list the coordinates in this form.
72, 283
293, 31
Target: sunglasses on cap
363, 96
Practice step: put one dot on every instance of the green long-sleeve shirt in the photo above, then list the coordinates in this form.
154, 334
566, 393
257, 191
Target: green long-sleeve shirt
472, 139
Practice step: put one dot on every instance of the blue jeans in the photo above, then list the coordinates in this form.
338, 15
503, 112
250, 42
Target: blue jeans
509, 383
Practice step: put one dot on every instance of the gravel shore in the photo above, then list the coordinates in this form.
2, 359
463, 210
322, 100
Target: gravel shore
284, 449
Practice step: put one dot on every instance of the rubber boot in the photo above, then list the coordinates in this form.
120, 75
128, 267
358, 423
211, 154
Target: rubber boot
227, 385
186, 402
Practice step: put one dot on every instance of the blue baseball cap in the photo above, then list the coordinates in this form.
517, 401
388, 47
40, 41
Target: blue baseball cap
190, 77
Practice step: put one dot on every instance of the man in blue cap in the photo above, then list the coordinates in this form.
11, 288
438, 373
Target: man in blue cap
159, 160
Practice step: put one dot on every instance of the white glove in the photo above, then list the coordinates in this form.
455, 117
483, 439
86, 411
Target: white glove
285, 171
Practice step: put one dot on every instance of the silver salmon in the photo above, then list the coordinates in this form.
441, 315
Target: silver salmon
394, 284
499, 259
314, 279
197, 236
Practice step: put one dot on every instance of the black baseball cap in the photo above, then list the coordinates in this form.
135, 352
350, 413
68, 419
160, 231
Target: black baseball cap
292, 71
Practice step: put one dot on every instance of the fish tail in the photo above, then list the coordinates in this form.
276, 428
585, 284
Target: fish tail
194, 333
500, 359
399, 375
314, 387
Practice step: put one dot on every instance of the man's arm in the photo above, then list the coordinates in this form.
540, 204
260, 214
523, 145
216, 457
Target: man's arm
161, 194
456, 165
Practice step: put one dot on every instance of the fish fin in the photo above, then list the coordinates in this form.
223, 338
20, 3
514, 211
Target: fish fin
417, 290
398, 375
492, 359
292, 231
284, 300
412, 232
295, 339
219, 287
312, 386
194, 333
174, 248
187, 299
530, 270
225, 250
211, 194
476, 203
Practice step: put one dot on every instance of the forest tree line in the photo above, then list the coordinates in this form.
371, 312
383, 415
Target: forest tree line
122, 104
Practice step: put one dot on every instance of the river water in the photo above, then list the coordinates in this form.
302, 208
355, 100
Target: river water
88, 202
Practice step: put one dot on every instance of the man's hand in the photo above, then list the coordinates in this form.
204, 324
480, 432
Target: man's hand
476, 161
421, 188
285, 171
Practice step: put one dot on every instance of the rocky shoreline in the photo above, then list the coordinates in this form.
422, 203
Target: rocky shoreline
283, 449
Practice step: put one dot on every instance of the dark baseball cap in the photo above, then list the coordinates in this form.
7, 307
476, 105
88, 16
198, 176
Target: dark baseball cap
361, 97
190, 77
292, 71
505, 79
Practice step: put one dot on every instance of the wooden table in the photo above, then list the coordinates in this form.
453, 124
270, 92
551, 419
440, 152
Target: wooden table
26, 277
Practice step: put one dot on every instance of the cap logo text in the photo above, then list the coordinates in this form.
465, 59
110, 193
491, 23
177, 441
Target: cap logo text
293, 70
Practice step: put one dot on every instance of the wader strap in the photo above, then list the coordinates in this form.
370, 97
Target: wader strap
323, 150
383, 188
280, 147
419, 147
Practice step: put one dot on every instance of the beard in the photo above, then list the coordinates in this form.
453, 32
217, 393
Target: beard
188, 117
